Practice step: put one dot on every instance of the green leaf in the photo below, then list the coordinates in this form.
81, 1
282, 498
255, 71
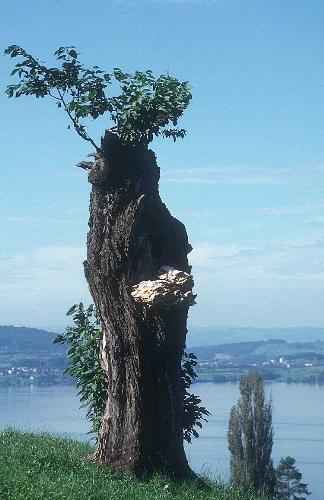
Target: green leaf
73, 53
72, 310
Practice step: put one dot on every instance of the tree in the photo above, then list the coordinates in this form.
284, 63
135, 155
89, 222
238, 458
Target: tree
136, 267
288, 484
143, 110
83, 340
250, 437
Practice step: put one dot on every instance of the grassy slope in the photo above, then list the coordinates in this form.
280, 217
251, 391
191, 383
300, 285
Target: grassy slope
40, 466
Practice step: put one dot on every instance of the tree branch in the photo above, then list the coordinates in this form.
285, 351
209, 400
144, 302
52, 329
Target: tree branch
76, 125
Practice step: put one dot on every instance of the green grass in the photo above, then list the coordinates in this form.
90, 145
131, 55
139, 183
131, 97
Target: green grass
43, 467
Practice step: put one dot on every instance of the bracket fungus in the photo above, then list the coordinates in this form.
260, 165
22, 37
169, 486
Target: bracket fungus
171, 288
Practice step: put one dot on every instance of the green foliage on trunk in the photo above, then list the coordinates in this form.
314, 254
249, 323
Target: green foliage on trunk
84, 340
250, 437
289, 485
145, 107
194, 412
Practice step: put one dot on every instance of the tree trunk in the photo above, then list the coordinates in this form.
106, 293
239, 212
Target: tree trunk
132, 236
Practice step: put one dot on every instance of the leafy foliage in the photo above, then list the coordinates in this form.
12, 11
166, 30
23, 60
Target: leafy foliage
250, 437
83, 340
194, 412
288, 484
145, 107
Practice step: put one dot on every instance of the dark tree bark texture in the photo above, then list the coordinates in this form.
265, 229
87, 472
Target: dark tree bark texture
132, 235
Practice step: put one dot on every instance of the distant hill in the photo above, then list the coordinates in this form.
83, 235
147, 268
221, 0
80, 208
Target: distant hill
198, 336
29, 347
22, 340
232, 341
257, 351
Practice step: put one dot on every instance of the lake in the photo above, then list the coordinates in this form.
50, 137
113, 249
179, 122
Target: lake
297, 418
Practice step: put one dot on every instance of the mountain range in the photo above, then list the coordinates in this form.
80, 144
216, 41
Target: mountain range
232, 341
201, 336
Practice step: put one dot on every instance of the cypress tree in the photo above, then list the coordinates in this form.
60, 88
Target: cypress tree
250, 437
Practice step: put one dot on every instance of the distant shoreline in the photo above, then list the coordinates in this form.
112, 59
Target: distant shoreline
29, 357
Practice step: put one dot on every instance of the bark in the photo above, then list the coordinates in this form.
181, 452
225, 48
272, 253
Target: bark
132, 235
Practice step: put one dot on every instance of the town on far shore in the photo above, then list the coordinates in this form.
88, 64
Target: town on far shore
29, 357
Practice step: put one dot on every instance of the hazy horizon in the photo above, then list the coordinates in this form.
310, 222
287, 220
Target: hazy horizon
213, 335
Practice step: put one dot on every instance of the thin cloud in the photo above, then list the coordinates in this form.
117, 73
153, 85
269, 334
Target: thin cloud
222, 175
38, 286
47, 265
59, 217
35, 220
207, 255
279, 211
206, 2
243, 175
317, 219
243, 263
198, 214
181, 2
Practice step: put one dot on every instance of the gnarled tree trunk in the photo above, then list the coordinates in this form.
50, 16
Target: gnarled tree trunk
132, 236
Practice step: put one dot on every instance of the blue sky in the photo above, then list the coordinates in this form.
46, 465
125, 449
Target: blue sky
247, 180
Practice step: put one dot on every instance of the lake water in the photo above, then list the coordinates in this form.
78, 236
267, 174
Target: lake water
298, 419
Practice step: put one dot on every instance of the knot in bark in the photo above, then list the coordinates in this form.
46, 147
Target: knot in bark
99, 172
